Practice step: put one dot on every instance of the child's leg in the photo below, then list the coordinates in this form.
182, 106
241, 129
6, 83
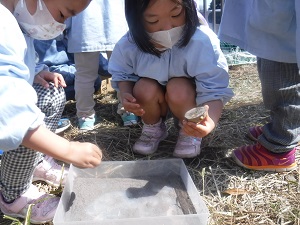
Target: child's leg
16, 171
181, 97
150, 95
276, 144
17, 192
51, 101
87, 64
280, 91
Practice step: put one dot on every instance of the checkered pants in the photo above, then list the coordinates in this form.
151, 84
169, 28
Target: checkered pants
281, 95
17, 165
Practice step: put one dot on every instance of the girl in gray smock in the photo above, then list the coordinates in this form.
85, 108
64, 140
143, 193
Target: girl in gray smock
168, 61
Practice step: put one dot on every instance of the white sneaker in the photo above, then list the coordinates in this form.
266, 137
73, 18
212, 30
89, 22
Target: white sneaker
150, 138
187, 146
43, 209
50, 172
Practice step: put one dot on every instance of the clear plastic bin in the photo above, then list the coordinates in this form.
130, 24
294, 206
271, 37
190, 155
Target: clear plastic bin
145, 192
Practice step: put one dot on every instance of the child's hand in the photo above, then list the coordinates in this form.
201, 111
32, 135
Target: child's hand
199, 130
130, 105
44, 77
84, 155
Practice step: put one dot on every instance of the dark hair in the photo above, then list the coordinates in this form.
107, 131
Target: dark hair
134, 10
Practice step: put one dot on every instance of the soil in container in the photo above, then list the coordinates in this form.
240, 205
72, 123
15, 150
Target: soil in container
112, 198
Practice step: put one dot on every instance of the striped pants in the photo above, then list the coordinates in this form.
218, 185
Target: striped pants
281, 95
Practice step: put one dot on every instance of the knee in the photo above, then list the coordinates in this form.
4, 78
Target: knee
146, 90
56, 96
178, 93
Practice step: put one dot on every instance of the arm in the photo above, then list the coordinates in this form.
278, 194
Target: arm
121, 67
212, 80
80, 154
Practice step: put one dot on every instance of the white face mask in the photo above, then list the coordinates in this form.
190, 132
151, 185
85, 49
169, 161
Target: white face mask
41, 25
167, 38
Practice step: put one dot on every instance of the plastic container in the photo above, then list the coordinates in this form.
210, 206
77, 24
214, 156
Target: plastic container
147, 192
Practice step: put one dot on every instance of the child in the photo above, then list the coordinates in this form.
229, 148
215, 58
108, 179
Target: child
21, 121
270, 30
95, 29
168, 61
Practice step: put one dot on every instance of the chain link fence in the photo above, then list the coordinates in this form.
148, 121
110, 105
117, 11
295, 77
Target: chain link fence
235, 55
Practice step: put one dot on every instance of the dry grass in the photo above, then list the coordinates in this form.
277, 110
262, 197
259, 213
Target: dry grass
233, 195
254, 197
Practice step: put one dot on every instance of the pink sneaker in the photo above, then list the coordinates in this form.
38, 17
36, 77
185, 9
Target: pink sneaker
257, 157
43, 209
254, 132
187, 146
150, 138
50, 172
